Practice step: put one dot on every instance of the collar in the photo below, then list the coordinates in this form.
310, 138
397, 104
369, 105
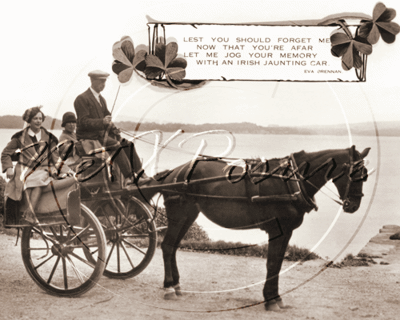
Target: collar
69, 134
37, 135
96, 94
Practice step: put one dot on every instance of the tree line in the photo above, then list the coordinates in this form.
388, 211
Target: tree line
363, 129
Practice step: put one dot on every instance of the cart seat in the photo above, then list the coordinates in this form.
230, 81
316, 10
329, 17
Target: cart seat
54, 207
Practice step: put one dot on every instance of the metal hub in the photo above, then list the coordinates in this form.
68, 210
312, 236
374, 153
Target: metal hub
114, 235
61, 250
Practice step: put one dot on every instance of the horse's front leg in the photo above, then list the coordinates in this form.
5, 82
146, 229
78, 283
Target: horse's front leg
180, 217
276, 251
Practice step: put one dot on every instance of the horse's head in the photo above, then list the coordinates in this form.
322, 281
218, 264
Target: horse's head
349, 184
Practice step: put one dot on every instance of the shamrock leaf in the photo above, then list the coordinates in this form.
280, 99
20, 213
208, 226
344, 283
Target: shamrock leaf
345, 46
164, 62
125, 59
380, 25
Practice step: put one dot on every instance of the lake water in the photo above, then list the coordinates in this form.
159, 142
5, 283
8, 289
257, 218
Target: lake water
329, 231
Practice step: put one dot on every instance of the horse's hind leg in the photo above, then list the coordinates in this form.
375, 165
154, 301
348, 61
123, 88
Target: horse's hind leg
180, 218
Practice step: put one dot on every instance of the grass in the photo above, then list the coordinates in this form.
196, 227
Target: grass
361, 260
293, 253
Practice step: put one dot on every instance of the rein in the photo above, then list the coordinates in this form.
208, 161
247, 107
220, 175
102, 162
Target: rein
353, 167
309, 202
301, 183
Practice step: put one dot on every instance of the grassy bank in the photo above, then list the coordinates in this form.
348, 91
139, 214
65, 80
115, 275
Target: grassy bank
197, 240
293, 253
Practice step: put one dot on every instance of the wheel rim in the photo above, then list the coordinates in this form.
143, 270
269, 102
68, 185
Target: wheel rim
131, 236
56, 256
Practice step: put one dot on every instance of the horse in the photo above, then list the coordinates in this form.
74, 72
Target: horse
272, 195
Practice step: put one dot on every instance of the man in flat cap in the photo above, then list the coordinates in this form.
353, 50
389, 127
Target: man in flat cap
94, 121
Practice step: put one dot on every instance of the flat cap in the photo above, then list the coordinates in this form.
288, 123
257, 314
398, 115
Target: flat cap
98, 74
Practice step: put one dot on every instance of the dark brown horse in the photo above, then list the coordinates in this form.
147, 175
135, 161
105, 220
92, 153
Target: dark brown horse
270, 195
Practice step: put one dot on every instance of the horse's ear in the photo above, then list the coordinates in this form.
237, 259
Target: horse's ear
364, 153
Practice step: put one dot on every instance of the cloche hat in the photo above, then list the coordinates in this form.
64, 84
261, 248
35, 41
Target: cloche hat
68, 117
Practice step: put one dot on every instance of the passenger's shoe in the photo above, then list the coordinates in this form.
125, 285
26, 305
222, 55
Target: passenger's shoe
29, 217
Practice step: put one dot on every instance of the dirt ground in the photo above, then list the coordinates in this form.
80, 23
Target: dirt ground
216, 287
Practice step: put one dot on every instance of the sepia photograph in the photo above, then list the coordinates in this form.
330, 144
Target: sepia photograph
200, 159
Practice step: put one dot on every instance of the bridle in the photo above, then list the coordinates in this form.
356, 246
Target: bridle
348, 169
351, 169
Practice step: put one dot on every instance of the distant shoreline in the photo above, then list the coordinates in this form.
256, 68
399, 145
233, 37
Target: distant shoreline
385, 128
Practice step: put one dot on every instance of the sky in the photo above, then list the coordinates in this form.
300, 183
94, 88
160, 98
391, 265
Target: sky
49, 48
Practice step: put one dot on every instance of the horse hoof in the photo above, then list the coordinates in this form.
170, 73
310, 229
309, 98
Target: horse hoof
280, 303
169, 294
272, 305
177, 289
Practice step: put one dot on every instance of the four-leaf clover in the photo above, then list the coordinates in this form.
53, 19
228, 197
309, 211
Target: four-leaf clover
126, 60
381, 24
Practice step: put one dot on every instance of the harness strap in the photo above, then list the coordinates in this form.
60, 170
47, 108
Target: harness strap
309, 202
198, 195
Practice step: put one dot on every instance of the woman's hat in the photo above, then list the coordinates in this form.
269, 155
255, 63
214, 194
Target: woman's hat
68, 117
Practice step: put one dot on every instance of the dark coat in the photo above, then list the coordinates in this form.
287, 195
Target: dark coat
27, 159
66, 138
90, 115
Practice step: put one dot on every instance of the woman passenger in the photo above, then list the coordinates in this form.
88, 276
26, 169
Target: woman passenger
67, 140
36, 167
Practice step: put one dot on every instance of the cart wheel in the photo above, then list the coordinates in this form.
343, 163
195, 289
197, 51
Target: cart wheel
55, 259
131, 236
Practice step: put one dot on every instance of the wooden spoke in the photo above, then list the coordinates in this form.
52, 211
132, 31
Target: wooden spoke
43, 262
127, 255
44, 235
65, 273
103, 225
136, 236
83, 260
109, 255
78, 234
133, 246
111, 224
56, 236
118, 258
69, 232
53, 270
136, 223
76, 271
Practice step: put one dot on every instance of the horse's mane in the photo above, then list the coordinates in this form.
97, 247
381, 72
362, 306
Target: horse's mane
162, 175
319, 153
